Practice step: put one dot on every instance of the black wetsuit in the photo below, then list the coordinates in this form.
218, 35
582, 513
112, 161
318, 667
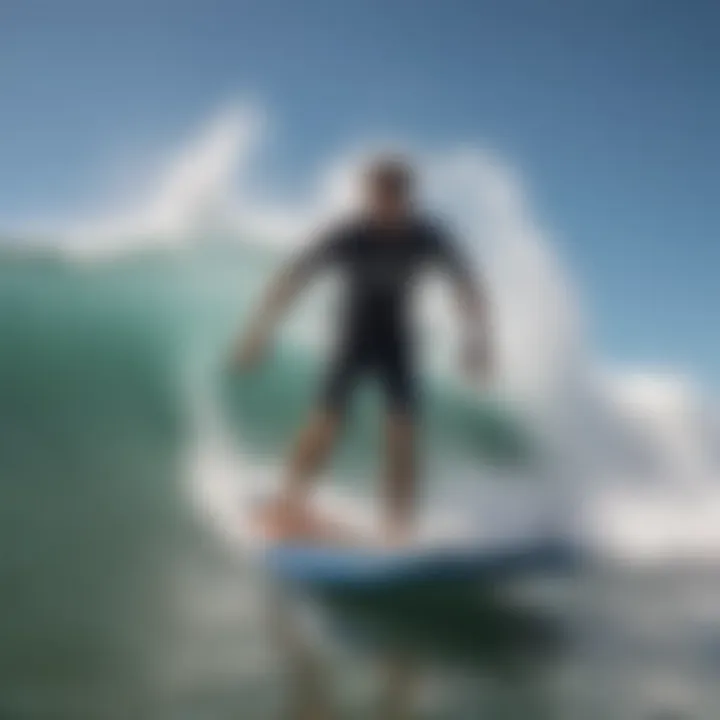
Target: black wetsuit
379, 267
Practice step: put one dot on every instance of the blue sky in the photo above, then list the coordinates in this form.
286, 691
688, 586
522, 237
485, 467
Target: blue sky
610, 109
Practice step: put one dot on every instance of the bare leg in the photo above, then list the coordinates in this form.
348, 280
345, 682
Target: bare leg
312, 447
400, 481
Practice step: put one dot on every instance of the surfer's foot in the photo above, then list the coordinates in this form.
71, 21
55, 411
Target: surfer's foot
283, 521
396, 536
280, 520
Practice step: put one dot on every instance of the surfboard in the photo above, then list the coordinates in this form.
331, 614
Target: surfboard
359, 569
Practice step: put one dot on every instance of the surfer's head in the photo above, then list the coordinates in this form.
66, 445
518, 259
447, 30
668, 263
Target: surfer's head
389, 181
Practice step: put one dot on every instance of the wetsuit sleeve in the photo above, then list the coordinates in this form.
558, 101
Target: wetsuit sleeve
322, 253
445, 254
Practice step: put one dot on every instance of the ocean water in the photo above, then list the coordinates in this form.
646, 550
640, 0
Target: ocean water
128, 589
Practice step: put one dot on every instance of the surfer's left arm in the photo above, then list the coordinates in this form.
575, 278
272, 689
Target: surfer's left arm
472, 303
473, 307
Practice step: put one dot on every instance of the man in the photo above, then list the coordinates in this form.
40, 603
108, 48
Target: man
380, 255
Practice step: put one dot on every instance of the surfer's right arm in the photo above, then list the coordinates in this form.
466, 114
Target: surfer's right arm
281, 293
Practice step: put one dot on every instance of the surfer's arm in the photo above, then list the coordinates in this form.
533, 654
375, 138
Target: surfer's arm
472, 305
277, 298
281, 294
473, 309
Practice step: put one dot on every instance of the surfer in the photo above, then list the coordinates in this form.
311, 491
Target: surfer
379, 255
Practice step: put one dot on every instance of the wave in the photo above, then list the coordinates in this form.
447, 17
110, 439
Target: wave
625, 460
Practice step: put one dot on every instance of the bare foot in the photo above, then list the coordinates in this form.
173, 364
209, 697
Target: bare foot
281, 521
396, 537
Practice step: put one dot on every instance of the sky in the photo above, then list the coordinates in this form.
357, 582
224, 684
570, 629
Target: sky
609, 110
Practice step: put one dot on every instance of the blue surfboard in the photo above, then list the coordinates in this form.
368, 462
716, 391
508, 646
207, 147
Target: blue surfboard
350, 569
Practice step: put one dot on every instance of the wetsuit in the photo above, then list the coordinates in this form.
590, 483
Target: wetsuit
379, 267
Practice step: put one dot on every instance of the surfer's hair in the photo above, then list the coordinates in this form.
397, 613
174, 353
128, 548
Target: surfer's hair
391, 173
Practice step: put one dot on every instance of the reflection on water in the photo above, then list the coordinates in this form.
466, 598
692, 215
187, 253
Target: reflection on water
422, 649
602, 644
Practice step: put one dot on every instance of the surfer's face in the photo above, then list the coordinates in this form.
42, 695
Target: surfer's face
388, 193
